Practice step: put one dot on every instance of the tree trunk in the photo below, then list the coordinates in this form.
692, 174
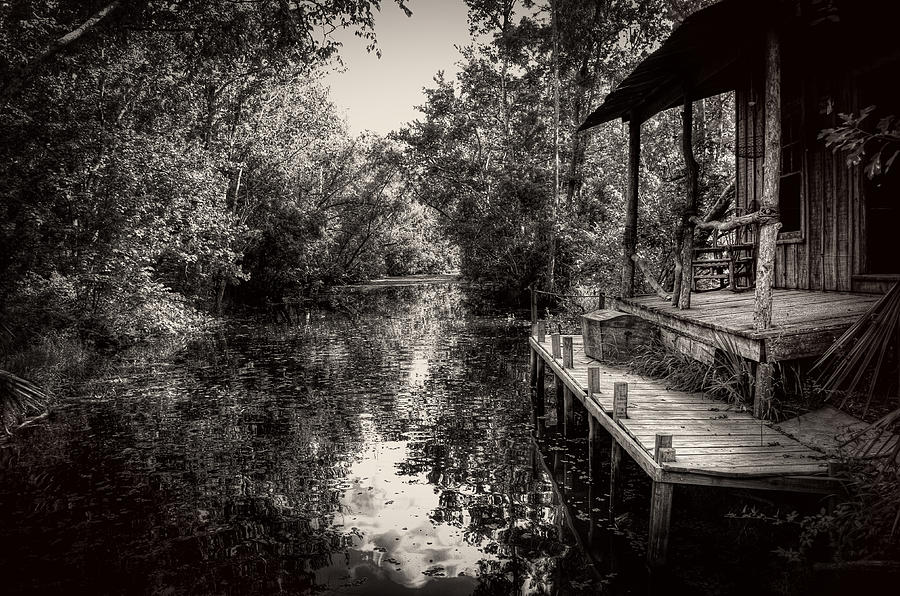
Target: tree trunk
554, 21
768, 231
629, 239
690, 207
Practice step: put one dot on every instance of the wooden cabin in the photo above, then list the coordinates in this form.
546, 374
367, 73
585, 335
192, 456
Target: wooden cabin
826, 244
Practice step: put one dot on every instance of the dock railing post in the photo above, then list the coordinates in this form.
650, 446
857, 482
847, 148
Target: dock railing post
620, 400
555, 345
620, 410
567, 352
662, 440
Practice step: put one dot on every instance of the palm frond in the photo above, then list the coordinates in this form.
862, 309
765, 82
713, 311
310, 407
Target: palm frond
18, 398
862, 349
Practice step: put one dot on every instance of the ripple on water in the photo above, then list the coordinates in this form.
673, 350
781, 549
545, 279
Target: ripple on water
379, 452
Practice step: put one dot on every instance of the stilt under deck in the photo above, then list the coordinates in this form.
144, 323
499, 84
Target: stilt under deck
675, 437
804, 323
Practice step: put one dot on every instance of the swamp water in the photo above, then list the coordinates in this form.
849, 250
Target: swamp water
379, 447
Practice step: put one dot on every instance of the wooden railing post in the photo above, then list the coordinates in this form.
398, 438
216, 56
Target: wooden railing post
662, 440
593, 380
555, 345
534, 308
620, 401
568, 352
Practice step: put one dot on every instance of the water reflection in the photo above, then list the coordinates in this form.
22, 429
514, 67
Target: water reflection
379, 447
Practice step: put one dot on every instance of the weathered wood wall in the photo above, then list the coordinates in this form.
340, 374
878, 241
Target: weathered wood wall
830, 248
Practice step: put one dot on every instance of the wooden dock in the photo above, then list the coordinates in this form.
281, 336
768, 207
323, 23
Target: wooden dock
675, 437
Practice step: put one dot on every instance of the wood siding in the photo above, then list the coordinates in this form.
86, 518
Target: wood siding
830, 247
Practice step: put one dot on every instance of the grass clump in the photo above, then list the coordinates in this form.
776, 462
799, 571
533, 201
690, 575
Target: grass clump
729, 378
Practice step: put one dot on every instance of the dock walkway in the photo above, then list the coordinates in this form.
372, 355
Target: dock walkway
674, 436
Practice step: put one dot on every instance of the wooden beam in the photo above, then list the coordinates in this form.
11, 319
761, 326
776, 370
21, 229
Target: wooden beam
768, 230
690, 203
629, 238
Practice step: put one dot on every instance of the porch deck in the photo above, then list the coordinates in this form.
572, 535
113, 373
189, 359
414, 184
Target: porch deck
805, 323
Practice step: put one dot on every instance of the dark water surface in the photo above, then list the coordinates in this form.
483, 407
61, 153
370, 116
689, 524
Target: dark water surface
380, 447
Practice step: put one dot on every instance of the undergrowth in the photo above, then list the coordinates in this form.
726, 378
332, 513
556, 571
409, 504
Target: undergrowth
729, 378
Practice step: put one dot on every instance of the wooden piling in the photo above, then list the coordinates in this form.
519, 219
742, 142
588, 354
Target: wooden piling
558, 400
540, 331
539, 399
568, 352
555, 350
534, 307
620, 410
660, 521
660, 506
569, 412
594, 434
532, 367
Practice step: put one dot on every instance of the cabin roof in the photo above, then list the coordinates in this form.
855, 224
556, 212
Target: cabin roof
703, 54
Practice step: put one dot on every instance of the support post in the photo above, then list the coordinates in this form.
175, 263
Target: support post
555, 345
532, 367
660, 507
660, 521
540, 399
540, 331
534, 309
558, 400
690, 204
768, 229
569, 412
763, 390
620, 410
568, 352
629, 238
593, 446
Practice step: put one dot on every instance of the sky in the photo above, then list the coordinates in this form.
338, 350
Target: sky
381, 94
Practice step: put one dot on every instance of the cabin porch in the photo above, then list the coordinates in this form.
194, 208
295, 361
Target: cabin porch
804, 322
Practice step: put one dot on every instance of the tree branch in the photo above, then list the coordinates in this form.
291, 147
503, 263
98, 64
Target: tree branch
761, 216
17, 82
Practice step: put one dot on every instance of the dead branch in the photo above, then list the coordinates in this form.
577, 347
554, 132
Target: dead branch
648, 275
